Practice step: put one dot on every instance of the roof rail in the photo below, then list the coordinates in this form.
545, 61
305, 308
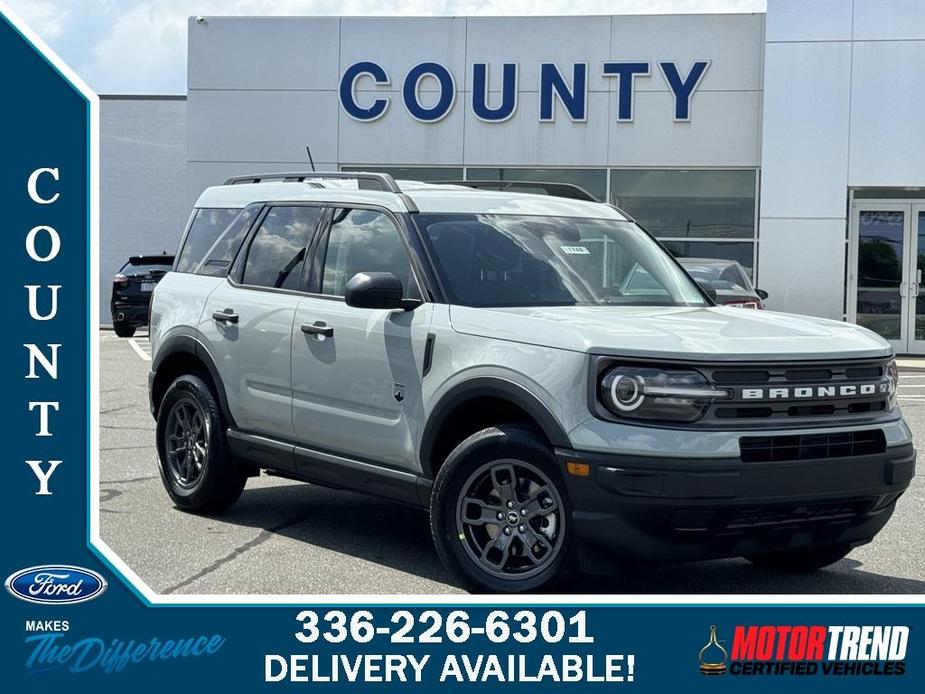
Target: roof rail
559, 190
365, 180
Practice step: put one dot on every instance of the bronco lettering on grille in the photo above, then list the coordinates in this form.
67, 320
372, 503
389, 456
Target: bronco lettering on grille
849, 390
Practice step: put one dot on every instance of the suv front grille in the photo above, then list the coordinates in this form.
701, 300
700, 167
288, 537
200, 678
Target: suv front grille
799, 393
787, 410
846, 444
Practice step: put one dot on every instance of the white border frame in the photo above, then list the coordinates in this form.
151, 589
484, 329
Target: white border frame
150, 598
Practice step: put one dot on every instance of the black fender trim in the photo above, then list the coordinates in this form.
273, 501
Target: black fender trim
488, 386
184, 343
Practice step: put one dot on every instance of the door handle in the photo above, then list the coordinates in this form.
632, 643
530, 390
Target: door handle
318, 328
226, 316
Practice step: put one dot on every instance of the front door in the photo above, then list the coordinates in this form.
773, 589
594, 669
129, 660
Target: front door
888, 248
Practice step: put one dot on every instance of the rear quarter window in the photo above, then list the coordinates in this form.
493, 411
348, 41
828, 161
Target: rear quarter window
214, 238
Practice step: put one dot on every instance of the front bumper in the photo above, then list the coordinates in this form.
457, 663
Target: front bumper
674, 508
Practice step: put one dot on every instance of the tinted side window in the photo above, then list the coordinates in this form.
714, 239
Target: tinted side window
277, 253
207, 225
219, 256
364, 241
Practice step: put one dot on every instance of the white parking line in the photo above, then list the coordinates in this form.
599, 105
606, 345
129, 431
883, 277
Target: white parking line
138, 350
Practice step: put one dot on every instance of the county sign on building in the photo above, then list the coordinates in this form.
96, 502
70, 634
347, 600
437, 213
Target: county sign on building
554, 88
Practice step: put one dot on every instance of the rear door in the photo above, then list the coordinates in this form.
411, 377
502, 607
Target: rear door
248, 319
357, 390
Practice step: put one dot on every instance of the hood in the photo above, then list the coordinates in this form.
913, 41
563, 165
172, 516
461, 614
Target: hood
711, 333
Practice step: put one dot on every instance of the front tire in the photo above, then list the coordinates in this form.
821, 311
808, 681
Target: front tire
123, 329
500, 514
196, 467
800, 560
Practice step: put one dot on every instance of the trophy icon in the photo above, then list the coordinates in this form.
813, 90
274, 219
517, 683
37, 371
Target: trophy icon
713, 656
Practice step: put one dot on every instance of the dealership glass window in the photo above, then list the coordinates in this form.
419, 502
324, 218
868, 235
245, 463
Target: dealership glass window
688, 204
742, 252
414, 173
277, 253
592, 180
364, 241
207, 225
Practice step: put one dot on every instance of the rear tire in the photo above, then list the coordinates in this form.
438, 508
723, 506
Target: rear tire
500, 514
123, 329
196, 466
800, 560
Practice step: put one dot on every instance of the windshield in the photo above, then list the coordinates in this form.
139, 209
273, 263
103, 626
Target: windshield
517, 260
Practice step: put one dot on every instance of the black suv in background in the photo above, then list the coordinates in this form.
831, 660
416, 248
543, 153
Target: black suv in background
131, 291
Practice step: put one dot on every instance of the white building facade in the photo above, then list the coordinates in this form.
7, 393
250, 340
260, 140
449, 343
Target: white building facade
791, 142
143, 206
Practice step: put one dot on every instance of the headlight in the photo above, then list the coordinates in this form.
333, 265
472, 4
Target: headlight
892, 373
639, 392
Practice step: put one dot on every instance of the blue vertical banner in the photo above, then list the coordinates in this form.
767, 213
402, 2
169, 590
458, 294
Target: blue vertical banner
74, 617
45, 179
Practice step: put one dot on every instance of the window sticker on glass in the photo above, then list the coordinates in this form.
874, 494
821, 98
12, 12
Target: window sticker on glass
576, 250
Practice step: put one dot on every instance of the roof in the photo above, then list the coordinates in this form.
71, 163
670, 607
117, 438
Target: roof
426, 197
242, 195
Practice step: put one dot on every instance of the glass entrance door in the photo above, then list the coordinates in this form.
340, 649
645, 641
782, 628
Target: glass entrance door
888, 254
916, 271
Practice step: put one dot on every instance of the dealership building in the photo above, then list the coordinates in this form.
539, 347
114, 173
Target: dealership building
791, 141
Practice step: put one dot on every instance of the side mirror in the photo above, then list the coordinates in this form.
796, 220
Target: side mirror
377, 290
707, 287
762, 294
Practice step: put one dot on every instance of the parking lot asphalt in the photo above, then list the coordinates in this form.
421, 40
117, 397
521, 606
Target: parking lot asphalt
285, 537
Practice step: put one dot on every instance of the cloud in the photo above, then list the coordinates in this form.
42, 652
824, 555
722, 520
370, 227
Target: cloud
145, 52
45, 16
139, 46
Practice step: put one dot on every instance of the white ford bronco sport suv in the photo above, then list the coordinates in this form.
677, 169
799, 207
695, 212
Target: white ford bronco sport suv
536, 370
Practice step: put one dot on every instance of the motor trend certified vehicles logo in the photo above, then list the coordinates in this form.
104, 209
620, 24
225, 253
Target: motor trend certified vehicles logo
807, 650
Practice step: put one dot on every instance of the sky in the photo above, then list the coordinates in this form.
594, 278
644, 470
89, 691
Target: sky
139, 46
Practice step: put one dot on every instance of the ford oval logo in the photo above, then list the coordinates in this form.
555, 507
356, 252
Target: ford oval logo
56, 584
